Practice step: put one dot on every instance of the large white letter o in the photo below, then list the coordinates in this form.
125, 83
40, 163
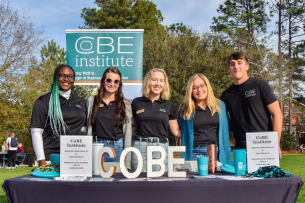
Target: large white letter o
122, 162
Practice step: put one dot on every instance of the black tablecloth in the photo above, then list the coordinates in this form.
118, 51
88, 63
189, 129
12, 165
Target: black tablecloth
28, 160
277, 190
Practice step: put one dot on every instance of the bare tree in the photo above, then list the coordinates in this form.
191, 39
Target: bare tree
19, 39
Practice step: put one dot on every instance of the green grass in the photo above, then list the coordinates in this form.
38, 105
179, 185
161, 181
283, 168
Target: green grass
294, 164
11, 173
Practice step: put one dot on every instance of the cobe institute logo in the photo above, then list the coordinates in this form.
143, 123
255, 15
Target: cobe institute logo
250, 93
103, 46
91, 51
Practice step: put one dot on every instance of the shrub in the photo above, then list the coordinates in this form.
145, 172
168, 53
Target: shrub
288, 141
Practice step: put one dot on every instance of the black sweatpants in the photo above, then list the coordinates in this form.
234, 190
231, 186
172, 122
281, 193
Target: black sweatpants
12, 155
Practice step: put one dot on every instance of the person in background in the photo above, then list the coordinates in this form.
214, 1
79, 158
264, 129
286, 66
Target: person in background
57, 113
4, 146
203, 120
12, 151
251, 103
154, 113
109, 117
20, 150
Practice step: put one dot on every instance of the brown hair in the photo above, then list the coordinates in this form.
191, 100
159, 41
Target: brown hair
120, 111
237, 56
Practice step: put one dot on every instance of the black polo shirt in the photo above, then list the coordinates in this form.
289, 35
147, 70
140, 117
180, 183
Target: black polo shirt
152, 117
206, 127
74, 115
105, 127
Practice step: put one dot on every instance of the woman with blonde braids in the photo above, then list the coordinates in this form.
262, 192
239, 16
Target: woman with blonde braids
57, 113
203, 120
154, 114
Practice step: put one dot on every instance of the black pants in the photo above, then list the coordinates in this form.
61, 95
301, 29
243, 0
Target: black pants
12, 155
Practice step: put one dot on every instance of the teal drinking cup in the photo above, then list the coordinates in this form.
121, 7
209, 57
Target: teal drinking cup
239, 157
203, 165
55, 158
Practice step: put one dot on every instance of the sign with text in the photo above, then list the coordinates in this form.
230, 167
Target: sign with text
262, 150
91, 51
75, 156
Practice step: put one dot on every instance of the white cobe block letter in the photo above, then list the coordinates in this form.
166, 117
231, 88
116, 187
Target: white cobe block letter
122, 162
100, 162
151, 161
172, 161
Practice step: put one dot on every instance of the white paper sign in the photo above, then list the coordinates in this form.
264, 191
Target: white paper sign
75, 156
262, 150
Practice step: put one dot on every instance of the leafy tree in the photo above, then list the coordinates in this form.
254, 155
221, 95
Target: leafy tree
179, 28
249, 15
53, 53
22, 91
288, 141
84, 91
122, 14
51, 56
244, 22
181, 56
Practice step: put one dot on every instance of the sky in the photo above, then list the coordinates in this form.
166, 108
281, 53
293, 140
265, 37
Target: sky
55, 16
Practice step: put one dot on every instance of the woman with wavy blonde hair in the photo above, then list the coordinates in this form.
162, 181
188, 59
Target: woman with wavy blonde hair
203, 120
153, 114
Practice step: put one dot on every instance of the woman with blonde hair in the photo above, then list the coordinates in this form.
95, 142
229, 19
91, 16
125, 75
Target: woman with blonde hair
154, 113
203, 120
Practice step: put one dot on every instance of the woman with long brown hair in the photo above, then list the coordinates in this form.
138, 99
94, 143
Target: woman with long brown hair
109, 115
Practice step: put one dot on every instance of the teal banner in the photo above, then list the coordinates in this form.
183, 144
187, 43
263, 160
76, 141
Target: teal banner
91, 51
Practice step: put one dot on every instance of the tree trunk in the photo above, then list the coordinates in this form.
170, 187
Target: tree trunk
290, 68
280, 58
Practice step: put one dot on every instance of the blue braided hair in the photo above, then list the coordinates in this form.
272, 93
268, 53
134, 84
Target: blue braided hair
57, 122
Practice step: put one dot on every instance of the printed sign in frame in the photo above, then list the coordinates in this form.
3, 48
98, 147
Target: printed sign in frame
262, 150
75, 156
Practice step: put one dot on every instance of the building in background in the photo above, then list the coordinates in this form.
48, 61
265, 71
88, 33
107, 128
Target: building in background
298, 117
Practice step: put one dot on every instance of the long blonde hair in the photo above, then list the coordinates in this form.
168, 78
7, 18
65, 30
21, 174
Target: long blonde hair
189, 103
146, 84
